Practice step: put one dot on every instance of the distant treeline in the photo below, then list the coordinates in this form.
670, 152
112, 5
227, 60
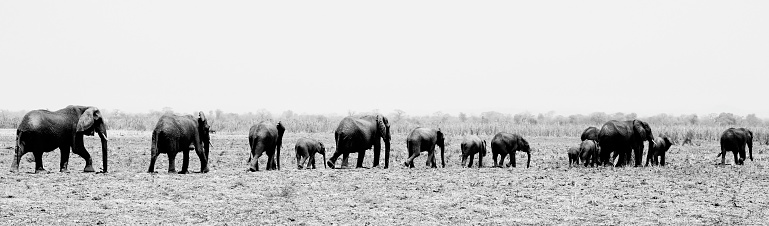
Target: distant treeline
549, 124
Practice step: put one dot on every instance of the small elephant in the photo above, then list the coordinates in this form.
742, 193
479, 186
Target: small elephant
43, 131
424, 139
305, 150
573, 153
265, 137
588, 152
508, 143
591, 133
180, 133
471, 145
657, 151
735, 140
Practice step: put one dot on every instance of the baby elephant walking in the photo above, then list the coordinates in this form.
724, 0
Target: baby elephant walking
305, 150
657, 151
573, 153
588, 152
470, 145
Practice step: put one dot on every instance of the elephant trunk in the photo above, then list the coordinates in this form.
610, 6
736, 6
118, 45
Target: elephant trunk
324, 160
750, 149
387, 153
528, 160
103, 137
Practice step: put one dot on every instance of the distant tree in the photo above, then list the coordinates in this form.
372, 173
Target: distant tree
288, 114
462, 117
726, 119
398, 115
752, 120
631, 116
598, 118
492, 116
168, 110
691, 119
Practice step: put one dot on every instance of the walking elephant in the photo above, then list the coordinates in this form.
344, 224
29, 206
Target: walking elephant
734, 140
471, 145
181, 133
573, 153
265, 137
508, 143
358, 134
657, 151
591, 133
43, 131
588, 152
305, 150
622, 137
424, 139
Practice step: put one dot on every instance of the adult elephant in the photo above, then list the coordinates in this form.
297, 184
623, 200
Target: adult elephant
265, 137
43, 131
734, 140
471, 145
620, 137
181, 133
424, 139
656, 155
508, 143
306, 148
591, 133
358, 134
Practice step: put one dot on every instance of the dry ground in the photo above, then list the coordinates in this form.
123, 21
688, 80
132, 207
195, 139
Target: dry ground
690, 190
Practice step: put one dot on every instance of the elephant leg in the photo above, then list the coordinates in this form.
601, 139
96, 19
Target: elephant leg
512, 159
20, 151
410, 160
430, 162
299, 161
185, 161
359, 163
494, 159
502, 158
270, 162
638, 156
79, 149
203, 156
464, 160
649, 158
330, 162
171, 161
736, 161
312, 161
345, 157
470, 164
480, 161
39, 162
662, 159
153, 157
64, 159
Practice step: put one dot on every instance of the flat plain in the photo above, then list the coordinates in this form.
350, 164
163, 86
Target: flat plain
691, 189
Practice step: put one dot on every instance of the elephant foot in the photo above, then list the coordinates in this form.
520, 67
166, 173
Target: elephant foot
330, 164
184, 172
172, 171
253, 169
406, 164
41, 171
88, 169
204, 170
64, 171
152, 172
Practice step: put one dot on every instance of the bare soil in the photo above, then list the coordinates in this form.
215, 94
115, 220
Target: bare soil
691, 189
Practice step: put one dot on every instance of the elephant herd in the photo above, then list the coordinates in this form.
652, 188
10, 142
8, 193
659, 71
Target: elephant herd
43, 131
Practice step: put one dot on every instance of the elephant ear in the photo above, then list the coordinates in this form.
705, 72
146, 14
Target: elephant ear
87, 120
203, 126
383, 126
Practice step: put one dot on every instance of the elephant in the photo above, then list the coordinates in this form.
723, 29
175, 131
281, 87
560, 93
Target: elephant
508, 143
656, 155
425, 139
471, 145
265, 137
573, 153
623, 138
181, 133
591, 133
358, 134
588, 152
306, 149
43, 131
734, 139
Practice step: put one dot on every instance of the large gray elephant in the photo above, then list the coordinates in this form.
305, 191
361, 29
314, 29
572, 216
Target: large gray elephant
508, 143
424, 139
178, 133
656, 155
358, 134
265, 137
591, 133
623, 138
734, 140
471, 145
305, 150
43, 131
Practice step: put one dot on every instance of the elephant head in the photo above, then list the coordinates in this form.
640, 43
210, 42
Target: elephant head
383, 126
89, 121
322, 150
203, 132
440, 142
642, 132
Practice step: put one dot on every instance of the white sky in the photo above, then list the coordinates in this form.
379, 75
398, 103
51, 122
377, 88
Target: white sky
647, 57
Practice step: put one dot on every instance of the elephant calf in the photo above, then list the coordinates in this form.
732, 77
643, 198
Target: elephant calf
573, 153
588, 152
265, 137
734, 140
424, 139
657, 151
305, 150
507, 143
178, 133
471, 145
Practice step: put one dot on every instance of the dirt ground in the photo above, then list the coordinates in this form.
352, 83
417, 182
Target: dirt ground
691, 189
